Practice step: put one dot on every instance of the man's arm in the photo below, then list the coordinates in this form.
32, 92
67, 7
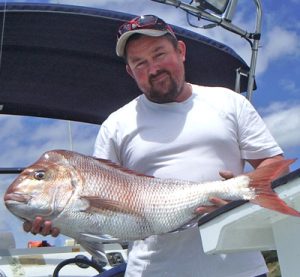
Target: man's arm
262, 162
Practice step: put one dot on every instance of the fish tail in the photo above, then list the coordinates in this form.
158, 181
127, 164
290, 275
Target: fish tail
260, 181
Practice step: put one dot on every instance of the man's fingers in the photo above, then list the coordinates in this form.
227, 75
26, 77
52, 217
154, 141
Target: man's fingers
205, 209
45, 230
27, 226
39, 226
226, 174
54, 232
218, 201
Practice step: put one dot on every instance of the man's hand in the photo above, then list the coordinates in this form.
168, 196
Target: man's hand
226, 174
39, 226
216, 202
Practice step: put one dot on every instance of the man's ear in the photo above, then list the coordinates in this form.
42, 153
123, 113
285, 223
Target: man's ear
181, 49
129, 71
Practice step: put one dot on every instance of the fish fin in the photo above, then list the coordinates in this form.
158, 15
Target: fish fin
260, 181
97, 203
95, 248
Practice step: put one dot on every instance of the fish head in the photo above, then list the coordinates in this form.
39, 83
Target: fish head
42, 189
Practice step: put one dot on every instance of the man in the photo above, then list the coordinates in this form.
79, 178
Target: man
179, 130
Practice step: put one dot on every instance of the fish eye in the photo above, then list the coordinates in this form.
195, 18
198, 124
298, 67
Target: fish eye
39, 175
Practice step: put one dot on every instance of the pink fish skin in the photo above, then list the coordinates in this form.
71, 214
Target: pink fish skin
87, 197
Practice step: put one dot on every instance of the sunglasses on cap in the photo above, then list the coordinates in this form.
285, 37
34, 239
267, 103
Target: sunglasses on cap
144, 22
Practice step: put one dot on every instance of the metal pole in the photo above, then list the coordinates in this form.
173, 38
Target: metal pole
15, 170
255, 46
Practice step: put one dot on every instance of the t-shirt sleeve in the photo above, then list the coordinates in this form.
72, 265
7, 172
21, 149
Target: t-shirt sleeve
105, 144
256, 141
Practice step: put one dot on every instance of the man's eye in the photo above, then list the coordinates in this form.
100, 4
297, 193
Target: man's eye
139, 65
39, 175
160, 55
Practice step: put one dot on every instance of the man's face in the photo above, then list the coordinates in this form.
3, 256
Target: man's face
157, 67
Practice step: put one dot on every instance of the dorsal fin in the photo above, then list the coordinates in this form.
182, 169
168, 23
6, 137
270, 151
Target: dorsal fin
74, 155
119, 167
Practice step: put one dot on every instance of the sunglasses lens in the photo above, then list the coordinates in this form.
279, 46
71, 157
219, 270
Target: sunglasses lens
147, 20
143, 22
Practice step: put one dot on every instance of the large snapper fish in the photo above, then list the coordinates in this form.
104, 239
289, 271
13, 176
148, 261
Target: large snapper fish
89, 198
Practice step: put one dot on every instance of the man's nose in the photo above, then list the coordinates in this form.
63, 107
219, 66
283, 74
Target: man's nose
153, 68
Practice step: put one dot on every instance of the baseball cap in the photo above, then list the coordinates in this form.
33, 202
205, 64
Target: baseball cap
149, 25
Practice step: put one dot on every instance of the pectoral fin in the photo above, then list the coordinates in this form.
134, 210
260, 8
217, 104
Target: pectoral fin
97, 204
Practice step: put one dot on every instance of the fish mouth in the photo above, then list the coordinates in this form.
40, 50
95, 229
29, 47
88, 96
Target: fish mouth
16, 197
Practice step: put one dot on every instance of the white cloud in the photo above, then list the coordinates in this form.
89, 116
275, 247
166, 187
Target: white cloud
290, 86
283, 120
277, 44
23, 143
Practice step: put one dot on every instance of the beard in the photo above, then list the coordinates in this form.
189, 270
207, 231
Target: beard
164, 91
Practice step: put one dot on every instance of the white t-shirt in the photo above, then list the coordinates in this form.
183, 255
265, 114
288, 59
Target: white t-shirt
214, 129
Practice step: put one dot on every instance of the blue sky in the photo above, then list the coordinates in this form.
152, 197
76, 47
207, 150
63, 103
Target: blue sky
24, 139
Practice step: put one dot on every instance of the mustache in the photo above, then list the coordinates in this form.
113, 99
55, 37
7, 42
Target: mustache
153, 76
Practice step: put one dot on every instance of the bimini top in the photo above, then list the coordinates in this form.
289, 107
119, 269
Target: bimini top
59, 61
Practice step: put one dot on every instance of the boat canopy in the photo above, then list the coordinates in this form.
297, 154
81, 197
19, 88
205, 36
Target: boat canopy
59, 61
